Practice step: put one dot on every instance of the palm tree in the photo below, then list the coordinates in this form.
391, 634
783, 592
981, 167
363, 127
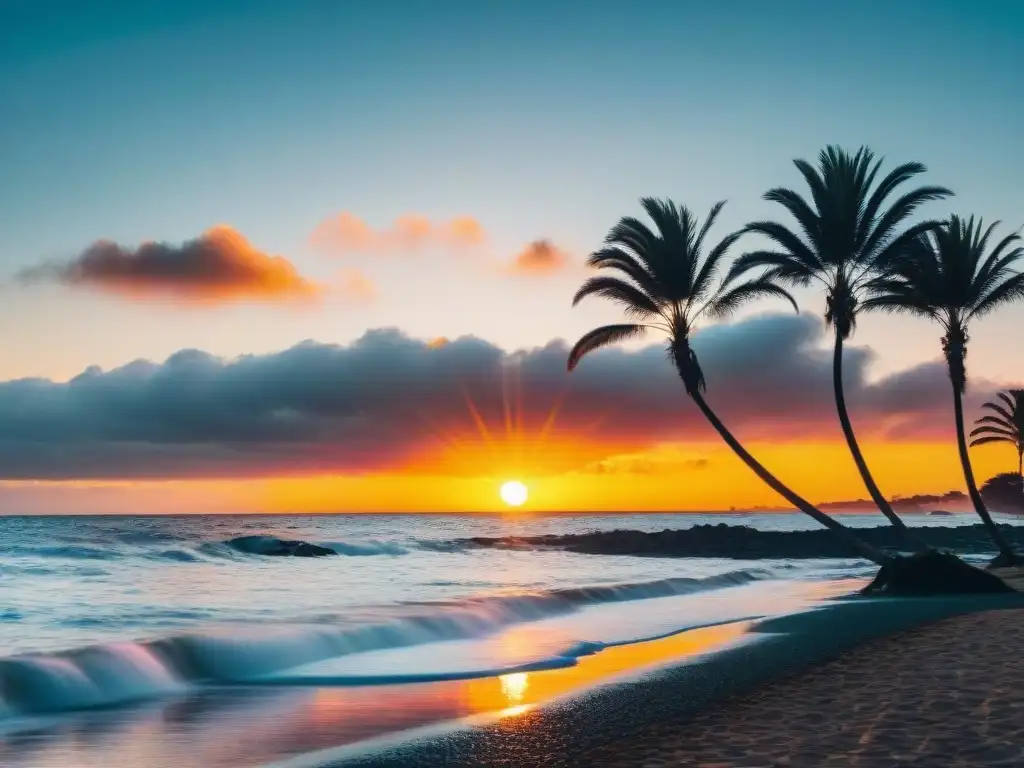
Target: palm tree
1005, 490
1007, 426
666, 283
951, 276
845, 230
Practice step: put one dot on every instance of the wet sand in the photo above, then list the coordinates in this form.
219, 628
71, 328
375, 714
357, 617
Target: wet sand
945, 695
883, 682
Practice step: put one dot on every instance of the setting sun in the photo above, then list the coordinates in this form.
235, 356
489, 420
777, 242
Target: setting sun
514, 493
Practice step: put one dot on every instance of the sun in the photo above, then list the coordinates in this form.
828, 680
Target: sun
514, 493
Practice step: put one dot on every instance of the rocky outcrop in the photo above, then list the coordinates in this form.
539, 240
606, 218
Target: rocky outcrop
744, 543
272, 546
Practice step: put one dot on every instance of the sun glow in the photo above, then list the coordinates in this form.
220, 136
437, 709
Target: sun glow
514, 493
514, 686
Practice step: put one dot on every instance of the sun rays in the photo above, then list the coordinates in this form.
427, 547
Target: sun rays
506, 431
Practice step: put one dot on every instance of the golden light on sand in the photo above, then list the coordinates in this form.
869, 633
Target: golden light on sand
514, 686
514, 493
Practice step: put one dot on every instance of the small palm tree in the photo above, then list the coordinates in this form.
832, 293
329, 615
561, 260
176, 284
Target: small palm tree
845, 229
1007, 426
951, 276
666, 283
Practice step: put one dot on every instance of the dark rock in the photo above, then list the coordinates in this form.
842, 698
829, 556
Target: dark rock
933, 573
272, 546
744, 543
940, 512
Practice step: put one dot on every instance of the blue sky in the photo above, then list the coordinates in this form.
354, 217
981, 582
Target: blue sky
157, 120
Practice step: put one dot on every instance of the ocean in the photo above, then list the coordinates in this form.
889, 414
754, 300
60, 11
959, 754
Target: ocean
105, 620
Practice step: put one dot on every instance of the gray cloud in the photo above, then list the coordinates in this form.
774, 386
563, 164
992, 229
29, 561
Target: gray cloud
381, 402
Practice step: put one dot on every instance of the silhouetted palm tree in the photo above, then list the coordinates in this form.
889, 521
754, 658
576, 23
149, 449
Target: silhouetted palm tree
843, 232
1005, 491
666, 283
1007, 426
951, 276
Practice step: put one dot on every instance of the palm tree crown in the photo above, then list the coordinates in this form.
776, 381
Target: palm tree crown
1006, 426
666, 282
950, 275
845, 231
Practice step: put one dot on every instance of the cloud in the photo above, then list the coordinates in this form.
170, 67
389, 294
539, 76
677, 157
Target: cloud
661, 460
353, 284
388, 401
541, 257
345, 233
220, 265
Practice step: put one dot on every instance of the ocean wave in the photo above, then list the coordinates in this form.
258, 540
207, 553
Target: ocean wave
365, 548
238, 548
738, 542
122, 672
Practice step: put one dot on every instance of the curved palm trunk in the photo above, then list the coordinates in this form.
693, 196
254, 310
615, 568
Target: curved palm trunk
858, 458
867, 551
1020, 462
972, 487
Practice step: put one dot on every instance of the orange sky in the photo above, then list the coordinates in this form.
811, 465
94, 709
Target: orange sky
666, 478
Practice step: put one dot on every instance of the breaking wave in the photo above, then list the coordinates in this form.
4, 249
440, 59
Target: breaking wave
117, 673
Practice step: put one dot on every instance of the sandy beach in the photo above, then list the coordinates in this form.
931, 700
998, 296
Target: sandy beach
873, 683
944, 695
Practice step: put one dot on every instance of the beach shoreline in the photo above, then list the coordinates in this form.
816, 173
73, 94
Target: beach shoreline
609, 718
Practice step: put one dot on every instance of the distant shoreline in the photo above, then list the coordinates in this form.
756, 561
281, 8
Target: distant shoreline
519, 513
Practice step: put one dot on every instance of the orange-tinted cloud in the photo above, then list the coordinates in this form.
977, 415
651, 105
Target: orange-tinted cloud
346, 234
467, 408
220, 265
353, 284
541, 257
660, 460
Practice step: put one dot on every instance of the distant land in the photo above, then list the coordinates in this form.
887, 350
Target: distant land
951, 501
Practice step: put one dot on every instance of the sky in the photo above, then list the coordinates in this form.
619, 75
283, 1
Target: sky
264, 256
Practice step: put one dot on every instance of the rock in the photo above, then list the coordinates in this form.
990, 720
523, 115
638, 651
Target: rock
940, 512
933, 573
745, 543
272, 546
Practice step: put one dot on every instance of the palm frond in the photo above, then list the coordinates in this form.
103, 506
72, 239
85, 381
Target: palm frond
633, 234
709, 220
617, 259
730, 299
989, 430
1006, 292
790, 242
808, 220
709, 269
986, 440
603, 337
999, 409
898, 175
897, 303
635, 301
996, 421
